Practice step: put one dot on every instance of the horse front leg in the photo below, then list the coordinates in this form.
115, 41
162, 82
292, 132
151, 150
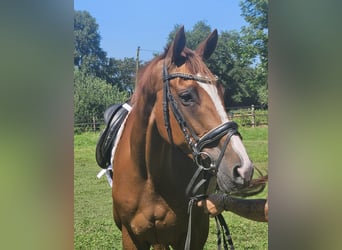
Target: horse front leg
130, 242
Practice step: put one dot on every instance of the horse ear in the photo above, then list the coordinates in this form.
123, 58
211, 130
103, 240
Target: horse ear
207, 47
177, 46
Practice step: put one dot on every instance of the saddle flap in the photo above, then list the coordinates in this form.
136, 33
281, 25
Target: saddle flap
114, 117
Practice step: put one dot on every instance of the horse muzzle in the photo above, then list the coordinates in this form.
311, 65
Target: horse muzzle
231, 179
242, 175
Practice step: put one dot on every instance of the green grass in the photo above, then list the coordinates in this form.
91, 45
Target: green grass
94, 226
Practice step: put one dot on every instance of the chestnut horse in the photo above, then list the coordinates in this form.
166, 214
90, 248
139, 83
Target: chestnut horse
177, 143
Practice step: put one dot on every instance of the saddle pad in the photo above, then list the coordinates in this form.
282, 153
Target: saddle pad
114, 116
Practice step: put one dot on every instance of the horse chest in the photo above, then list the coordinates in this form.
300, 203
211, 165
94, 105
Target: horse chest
152, 219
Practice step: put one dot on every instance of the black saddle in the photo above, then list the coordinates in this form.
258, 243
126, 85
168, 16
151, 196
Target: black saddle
114, 117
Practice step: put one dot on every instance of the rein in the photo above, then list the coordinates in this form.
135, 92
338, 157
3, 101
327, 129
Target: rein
196, 144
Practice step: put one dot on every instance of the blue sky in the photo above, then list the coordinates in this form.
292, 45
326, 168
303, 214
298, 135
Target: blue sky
125, 25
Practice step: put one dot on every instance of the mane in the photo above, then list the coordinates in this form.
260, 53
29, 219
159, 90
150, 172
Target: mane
145, 75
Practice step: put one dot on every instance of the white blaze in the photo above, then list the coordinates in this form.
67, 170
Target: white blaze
212, 92
245, 169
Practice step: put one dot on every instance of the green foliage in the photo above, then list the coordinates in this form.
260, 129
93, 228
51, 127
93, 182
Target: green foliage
263, 95
88, 56
122, 73
231, 63
94, 226
255, 13
92, 96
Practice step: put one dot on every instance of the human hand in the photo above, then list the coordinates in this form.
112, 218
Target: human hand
214, 204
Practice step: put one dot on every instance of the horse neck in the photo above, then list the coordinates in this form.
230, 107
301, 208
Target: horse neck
168, 167
138, 121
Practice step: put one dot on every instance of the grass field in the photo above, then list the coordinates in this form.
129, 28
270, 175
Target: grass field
94, 227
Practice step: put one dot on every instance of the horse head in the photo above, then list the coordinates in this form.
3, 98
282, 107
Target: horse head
195, 119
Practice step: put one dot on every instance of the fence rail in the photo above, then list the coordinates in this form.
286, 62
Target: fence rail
249, 116
245, 116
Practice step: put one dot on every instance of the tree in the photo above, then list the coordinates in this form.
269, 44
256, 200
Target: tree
255, 13
92, 96
92, 60
88, 55
231, 62
122, 73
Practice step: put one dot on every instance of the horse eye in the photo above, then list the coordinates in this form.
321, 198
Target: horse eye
186, 98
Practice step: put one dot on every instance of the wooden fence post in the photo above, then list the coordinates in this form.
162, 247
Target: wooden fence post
94, 124
253, 117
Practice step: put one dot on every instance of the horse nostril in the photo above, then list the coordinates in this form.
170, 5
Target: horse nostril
235, 171
238, 179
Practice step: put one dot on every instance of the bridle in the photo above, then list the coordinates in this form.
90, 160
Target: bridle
196, 145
